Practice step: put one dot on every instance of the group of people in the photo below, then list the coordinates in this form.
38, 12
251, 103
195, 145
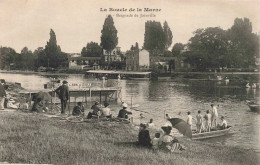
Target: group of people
210, 120
165, 142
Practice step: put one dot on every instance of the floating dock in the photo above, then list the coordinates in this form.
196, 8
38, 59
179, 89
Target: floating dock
127, 74
86, 94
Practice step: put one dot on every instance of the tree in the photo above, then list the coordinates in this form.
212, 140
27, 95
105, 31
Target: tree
91, 50
53, 54
243, 44
154, 38
26, 59
7, 56
168, 35
208, 47
176, 49
109, 39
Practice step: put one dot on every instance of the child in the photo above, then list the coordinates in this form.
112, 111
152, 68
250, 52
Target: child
155, 141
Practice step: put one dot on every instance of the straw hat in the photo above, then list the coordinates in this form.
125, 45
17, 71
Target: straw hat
124, 105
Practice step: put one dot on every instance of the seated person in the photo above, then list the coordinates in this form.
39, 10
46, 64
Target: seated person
11, 104
167, 116
150, 124
168, 143
223, 125
105, 112
78, 110
144, 137
96, 108
39, 106
155, 141
123, 113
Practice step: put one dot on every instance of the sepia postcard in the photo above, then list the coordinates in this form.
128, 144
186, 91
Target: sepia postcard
130, 82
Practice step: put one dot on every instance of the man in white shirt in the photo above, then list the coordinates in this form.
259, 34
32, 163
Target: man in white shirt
199, 122
150, 124
106, 111
224, 123
214, 116
189, 119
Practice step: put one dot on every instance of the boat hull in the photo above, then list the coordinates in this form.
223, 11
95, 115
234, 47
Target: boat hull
212, 134
254, 108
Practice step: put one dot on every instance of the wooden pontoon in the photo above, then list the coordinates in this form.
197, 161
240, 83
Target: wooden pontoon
127, 74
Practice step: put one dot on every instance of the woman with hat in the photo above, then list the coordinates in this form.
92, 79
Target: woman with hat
144, 136
123, 113
168, 143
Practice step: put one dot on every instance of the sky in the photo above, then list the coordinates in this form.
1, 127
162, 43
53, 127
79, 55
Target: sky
78, 22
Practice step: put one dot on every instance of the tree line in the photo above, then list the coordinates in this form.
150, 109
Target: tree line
50, 56
210, 47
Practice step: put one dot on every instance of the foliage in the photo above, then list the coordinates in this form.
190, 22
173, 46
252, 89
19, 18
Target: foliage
109, 39
214, 47
118, 65
168, 35
243, 44
7, 56
53, 55
27, 60
208, 48
176, 49
154, 37
91, 50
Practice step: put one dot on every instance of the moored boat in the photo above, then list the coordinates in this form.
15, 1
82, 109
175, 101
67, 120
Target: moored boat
254, 107
211, 134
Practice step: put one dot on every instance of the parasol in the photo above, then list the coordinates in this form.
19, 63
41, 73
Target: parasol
181, 126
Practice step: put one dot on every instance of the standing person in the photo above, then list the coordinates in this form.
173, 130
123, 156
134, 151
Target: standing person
214, 116
123, 113
189, 119
2, 95
63, 93
208, 121
199, 122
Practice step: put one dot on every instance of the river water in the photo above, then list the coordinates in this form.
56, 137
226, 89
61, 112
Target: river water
155, 98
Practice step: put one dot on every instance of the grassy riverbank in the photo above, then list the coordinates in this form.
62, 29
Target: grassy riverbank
34, 138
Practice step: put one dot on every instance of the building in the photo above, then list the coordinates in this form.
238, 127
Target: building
170, 63
114, 56
137, 60
84, 63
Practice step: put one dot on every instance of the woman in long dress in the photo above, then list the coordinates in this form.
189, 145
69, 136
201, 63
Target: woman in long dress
168, 143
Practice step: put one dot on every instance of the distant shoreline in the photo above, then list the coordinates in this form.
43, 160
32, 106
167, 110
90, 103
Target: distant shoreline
160, 75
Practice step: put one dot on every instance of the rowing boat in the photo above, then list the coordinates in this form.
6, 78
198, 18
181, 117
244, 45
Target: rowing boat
254, 107
211, 134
